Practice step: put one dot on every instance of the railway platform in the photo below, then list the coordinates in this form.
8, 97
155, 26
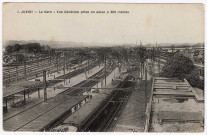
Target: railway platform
43, 115
36, 116
133, 118
34, 100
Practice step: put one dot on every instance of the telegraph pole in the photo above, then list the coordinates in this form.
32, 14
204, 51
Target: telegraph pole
85, 72
57, 61
44, 85
159, 60
16, 69
50, 58
88, 65
64, 66
38, 60
114, 73
24, 96
143, 68
105, 68
153, 61
145, 86
156, 51
145, 74
67, 60
25, 70
172, 48
16, 73
141, 60
38, 89
99, 62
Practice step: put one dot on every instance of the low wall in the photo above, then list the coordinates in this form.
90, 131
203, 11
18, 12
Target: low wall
149, 108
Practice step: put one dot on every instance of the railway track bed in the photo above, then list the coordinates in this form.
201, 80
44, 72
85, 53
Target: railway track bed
104, 119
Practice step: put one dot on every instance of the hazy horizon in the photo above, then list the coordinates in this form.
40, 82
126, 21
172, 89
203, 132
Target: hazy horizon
88, 43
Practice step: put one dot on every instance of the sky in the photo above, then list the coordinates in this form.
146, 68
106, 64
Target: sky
150, 23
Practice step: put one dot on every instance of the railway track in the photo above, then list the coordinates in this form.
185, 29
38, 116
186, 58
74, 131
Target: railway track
13, 67
34, 66
110, 66
9, 74
21, 68
89, 83
59, 79
103, 121
31, 71
71, 74
36, 70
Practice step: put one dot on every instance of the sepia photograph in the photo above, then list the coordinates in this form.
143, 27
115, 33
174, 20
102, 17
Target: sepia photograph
103, 67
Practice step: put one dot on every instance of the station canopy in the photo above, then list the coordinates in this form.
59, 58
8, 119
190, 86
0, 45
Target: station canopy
18, 87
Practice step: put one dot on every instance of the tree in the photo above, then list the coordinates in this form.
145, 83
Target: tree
13, 48
182, 67
178, 66
194, 79
21, 58
16, 48
9, 49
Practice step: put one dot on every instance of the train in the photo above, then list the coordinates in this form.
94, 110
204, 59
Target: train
82, 118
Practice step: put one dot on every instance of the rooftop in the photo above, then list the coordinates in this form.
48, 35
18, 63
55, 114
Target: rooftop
50, 110
176, 107
18, 87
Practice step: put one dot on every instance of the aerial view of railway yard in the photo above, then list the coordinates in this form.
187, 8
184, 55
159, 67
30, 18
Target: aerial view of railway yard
102, 67
135, 88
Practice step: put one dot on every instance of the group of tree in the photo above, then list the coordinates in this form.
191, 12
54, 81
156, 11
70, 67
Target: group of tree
28, 48
179, 66
19, 53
